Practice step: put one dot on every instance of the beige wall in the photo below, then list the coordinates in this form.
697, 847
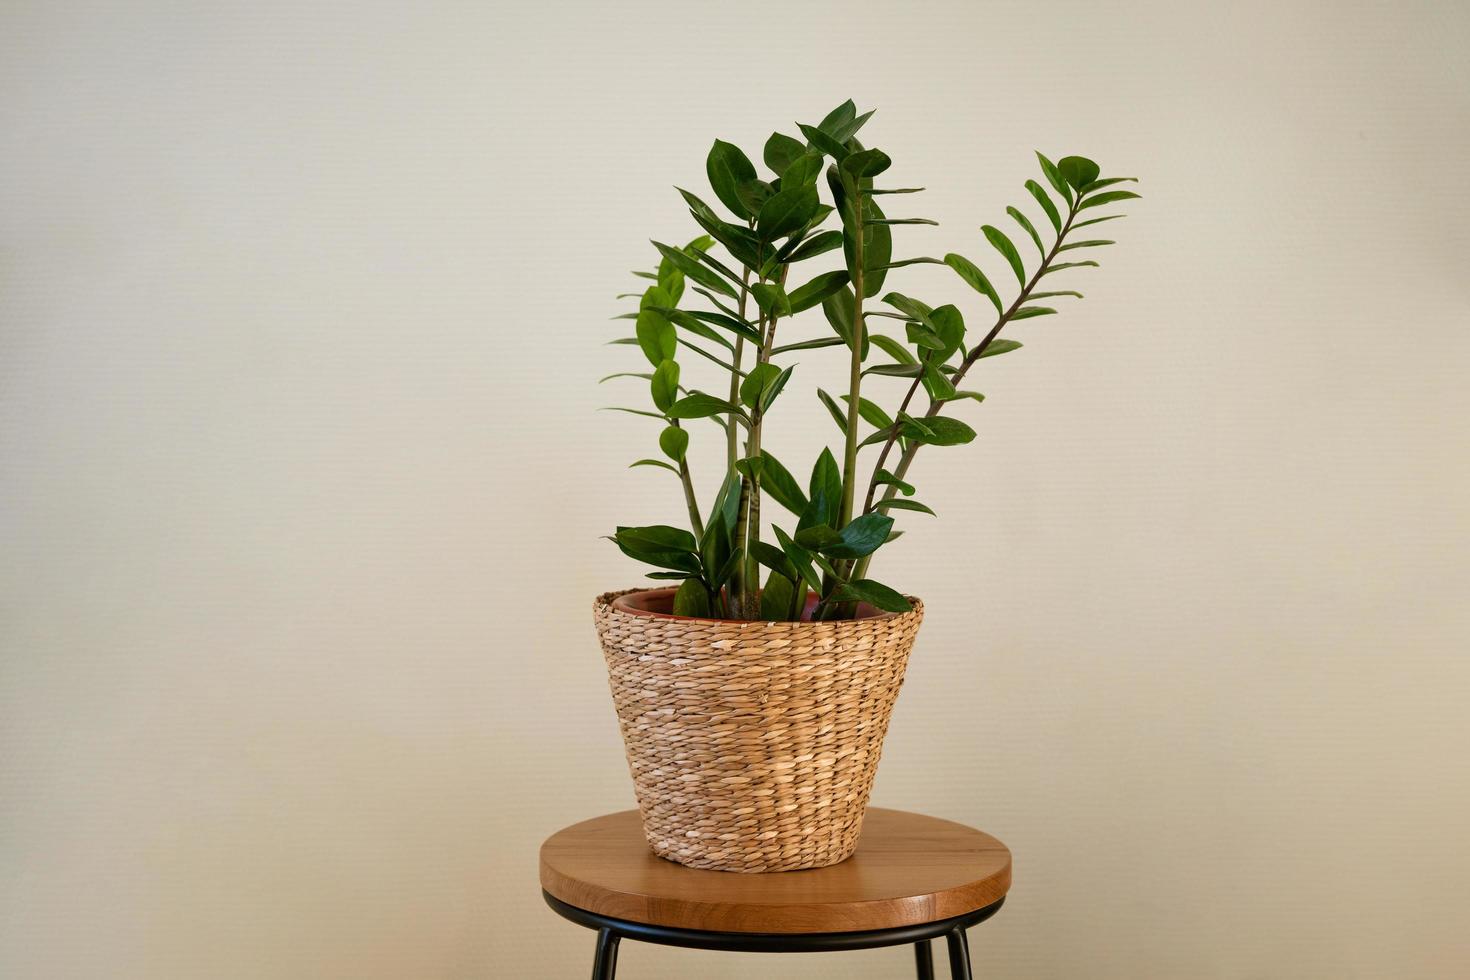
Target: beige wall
300, 318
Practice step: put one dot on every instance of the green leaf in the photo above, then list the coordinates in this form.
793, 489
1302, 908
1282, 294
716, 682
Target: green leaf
1058, 292
1058, 267
751, 468
1054, 178
1090, 243
803, 171
761, 377
874, 594
896, 504
885, 478
808, 345
1107, 198
781, 485
684, 317
694, 270
626, 374
822, 141
664, 385
814, 292
727, 502
877, 248
699, 406
914, 309
777, 597
1098, 221
892, 190
728, 168
692, 599
865, 163
800, 558
903, 221
892, 348
674, 441
956, 396
669, 576
754, 193
1077, 171
824, 492
1000, 346
654, 462
633, 411
1004, 246
822, 241
660, 545
838, 415
949, 325
1043, 199
922, 260
939, 387
870, 412
781, 151
1025, 223
656, 337
913, 370
838, 308
862, 536
1027, 312
836, 120
787, 212
971, 273
771, 298
921, 336
942, 431
818, 537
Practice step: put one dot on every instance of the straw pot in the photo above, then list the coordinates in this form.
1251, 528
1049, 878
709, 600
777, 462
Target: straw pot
752, 745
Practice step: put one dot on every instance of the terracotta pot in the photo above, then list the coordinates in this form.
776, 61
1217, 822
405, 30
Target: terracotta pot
752, 745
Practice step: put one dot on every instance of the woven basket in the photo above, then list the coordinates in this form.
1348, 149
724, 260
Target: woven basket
753, 745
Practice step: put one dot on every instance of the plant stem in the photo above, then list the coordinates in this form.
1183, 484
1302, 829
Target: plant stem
855, 371
860, 569
695, 524
732, 433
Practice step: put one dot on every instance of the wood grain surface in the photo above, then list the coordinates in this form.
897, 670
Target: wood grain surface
908, 869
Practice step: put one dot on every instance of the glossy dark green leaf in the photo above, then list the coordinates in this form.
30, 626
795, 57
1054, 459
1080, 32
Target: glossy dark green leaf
892, 348
674, 442
1077, 171
818, 537
870, 412
656, 337
1025, 223
787, 212
862, 536
949, 324
1058, 267
781, 151
939, 387
1027, 312
664, 385
897, 504
727, 503
1044, 199
904, 221
698, 406
838, 308
800, 558
822, 241
1107, 197
1090, 243
754, 194
669, 576
692, 599
921, 336
771, 298
874, 594
751, 468
838, 415
728, 168
781, 485
761, 377
691, 267
913, 370
824, 493
922, 260
865, 163
914, 309
721, 320
806, 296
803, 172
824, 142
1005, 247
1098, 185
1054, 178
846, 132
885, 478
839, 118
943, 431
777, 598
660, 545
1000, 346
971, 273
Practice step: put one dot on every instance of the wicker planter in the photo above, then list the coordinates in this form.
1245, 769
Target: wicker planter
752, 745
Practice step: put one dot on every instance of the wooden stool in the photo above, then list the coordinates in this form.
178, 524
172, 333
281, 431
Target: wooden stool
913, 879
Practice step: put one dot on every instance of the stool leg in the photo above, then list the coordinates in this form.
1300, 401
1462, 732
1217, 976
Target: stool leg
959, 955
924, 960
605, 961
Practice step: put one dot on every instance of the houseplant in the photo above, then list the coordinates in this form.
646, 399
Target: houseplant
753, 696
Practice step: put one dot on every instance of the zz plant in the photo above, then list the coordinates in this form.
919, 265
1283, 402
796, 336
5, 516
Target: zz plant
748, 292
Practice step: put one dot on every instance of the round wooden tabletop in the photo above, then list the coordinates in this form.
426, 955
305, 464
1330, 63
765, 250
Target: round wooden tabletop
909, 869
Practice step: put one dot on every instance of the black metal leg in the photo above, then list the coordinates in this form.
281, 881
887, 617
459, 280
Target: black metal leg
959, 954
605, 961
924, 959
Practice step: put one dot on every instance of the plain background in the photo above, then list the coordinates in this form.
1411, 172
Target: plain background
302, 309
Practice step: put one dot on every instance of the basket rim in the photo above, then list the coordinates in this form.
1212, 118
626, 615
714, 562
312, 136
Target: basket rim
604, 604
